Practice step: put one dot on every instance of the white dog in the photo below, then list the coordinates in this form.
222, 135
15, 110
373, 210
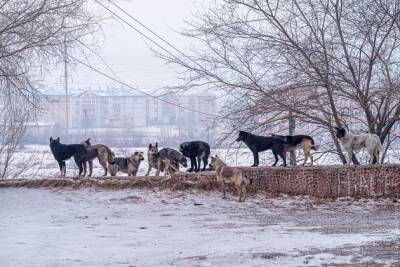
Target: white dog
352, 142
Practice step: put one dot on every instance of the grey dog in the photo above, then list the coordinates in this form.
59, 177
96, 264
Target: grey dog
352, 142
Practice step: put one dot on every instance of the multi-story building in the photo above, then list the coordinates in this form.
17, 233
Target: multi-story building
120, 113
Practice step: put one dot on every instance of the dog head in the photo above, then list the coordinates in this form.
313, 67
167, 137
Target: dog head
54, 142
183, 147
183, 161
340, 132
153, 150
215, 163
137, 156
86, 143
242, 136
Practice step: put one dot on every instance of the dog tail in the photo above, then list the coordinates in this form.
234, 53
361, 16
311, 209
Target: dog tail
246, 179
313, 145
376, 153
110, 155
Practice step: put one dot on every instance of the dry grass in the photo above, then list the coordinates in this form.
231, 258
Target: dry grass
178, 182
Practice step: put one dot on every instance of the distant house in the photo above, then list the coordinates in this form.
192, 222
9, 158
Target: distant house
125, 111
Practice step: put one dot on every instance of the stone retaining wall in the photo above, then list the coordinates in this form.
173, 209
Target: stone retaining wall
322, 181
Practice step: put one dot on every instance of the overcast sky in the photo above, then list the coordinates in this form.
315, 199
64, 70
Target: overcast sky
128, 53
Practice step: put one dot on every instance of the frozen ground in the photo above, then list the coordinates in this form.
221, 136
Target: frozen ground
148, 228
36, 161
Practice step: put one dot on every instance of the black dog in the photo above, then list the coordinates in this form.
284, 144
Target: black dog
62, 152
258, 143
193, 150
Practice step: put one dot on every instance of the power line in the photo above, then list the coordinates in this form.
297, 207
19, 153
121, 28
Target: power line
138, 90
150, 30
140, 32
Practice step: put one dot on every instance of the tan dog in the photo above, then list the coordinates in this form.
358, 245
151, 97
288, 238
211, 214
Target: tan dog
103, 154
152, 157
127, 165
227, 175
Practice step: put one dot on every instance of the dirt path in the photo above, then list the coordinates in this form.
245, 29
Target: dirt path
147, 228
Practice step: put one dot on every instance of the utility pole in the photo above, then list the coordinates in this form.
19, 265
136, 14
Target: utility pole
66, 87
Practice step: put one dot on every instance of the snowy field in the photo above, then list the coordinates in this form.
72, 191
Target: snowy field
36, 161
149, 228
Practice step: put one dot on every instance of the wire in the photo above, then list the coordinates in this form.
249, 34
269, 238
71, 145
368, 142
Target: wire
150, 30
138, 90
140, 32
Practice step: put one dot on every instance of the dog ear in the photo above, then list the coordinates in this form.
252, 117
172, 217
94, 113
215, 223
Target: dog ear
156, 144
150, 145
58, 139
51, 139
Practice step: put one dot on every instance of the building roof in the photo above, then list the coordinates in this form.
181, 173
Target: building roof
122, 92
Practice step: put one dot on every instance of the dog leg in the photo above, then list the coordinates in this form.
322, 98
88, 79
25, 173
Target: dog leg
293, 157
349, 156
192, 164
84, 169
205, 162
198, 164
223, 189
64, 169
90, 168
158, 168
60, 166
239, 191
104, 165
307, 154
244, 191
283, 156
276, 158
255, 156
148, 169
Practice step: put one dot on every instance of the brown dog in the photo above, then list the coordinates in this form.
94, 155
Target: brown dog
152, 157
103, 154
227, 175
168, 159
127, 165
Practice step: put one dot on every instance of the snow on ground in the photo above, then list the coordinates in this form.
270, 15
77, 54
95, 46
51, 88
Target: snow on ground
36, 161
149, 228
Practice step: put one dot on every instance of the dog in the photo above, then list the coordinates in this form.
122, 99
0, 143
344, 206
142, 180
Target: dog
103, 154
226, 175
169, 160
62, 152
292, 142
257, 143
352, 142
193, 150
127, 165
196, 150
152, 159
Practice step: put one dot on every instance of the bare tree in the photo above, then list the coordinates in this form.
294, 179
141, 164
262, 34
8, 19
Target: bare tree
32, 34
323, 62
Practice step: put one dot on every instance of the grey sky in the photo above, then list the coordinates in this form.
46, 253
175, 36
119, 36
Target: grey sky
128, 53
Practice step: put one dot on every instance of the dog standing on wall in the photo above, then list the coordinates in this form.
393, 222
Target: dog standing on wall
196, 150
227, 175
169, 160
62, 152
258, 143
127, 165
152, 158
292, 142
103, 154
352, 142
